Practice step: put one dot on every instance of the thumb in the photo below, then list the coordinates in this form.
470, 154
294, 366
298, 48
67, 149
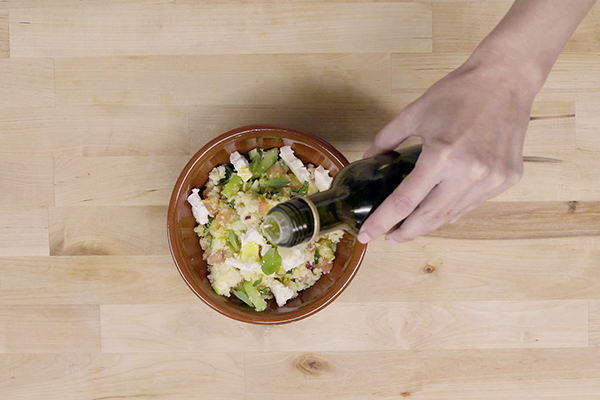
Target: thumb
394, 133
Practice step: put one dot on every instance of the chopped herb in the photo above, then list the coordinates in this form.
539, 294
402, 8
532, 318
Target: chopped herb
256, 162
210, 220
271, 261
231, 203
258, 282
264, 291
228, 173
277, 183
317, 256
302, 191
233, 241
242, 296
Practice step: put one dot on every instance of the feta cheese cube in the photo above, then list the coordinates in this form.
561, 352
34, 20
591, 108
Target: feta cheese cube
291, 257
198, 208
281, 292
241, 165
322, 178
296, 165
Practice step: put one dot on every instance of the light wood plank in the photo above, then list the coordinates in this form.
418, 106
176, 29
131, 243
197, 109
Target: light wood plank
351, 128
572, 178
26, 182
417, 72
347, 127
26, 82
24, 232
595, 323
92, 280
108, 230
99, 181
588, 123
352, 326
461, 26
208, 28
118, 376
94, 131
70, 3
401, 273
526, 220
49, 329
557, 374
4, 38
221, 79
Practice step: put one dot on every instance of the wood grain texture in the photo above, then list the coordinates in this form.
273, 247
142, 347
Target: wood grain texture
352, 326
4, 37
99, 181
124, 230
517, 272
14, 4
92, 280
27, 82
461, 26
49, 329
94, 131
26, 182
526, 220
116, 376
558, 374
588, 123
209, 28
23, 232
224, 79
578, 72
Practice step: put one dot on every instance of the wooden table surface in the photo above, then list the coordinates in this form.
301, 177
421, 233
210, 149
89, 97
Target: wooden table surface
102, 102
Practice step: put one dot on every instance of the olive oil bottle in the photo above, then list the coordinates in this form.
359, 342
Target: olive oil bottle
357, 190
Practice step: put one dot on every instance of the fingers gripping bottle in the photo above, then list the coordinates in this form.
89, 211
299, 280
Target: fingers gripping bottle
357, 190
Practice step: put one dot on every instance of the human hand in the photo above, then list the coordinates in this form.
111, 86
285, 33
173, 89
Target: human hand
472, 124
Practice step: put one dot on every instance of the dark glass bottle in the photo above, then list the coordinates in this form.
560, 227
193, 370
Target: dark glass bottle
357, 190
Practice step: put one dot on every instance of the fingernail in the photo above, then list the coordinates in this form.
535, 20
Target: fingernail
364, 237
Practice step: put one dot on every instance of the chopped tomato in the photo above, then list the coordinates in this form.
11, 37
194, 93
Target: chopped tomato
211, 206
295, 183
217, 257
276, 171
210, 193
263, 207
325, 266
224, 216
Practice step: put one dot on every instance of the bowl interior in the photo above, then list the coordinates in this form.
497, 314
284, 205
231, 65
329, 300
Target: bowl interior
184, 242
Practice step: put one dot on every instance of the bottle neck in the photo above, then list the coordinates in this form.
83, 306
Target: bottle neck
327, 205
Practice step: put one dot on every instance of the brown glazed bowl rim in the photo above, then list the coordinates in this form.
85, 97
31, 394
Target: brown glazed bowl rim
175, 246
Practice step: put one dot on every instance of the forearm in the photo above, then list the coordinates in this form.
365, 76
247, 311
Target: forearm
531, 36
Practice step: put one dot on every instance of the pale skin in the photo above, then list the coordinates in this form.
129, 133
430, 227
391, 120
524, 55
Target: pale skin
473, 122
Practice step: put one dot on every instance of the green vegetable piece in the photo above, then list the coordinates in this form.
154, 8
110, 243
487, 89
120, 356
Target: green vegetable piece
238, 225
228, 173
231, 204
233, 241
269, 158
271, 261
317, 256
258, 282
210, 220
259, 303
256, 161
302, 191
277, 183
254, 153
242, 296
232, 187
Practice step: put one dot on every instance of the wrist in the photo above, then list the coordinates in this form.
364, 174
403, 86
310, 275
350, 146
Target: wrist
510, 66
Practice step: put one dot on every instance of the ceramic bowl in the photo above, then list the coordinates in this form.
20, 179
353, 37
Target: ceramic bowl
184, 242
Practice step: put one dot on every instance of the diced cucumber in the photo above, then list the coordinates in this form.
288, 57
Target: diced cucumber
253, 153
256, 160
242, 296
250, 251
232, 187
259, 303
269, 158
238, 226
